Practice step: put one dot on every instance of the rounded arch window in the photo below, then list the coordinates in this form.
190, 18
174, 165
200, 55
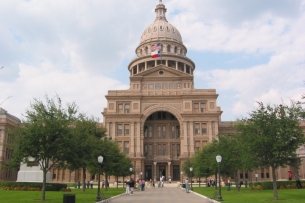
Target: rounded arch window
168, 49
146, 50
181, 51
155, 28
175, 50
167, 28
141, 52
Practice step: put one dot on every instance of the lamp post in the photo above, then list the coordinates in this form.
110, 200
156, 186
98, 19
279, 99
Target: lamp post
182, 177
100, 161
130, 169
218, 159
191, 169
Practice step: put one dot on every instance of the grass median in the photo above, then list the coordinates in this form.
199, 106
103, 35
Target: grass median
246, 195
14, 196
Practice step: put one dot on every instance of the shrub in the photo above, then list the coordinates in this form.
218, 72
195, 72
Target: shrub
29, 186
268, 185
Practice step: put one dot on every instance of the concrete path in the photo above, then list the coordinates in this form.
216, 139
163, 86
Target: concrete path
160, 195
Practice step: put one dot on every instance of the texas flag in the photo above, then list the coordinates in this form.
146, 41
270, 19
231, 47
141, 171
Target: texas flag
156, 50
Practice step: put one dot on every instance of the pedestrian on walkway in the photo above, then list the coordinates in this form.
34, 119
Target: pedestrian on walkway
127, 187
143, 185
297, 180
91, 184
187, 185
131, 185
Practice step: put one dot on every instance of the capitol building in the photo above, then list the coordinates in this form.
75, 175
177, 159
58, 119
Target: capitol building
162, 119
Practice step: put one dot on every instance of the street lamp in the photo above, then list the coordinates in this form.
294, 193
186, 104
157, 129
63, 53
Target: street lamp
100, 161
191, 169
182, 177
130, 169
218, 159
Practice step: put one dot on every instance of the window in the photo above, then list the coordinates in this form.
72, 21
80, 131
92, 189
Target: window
175, 50
178, 149
173, 131
150, 150
150, 131
199, 107
241, 175
168, 48
126, 147
164, 131
159, 149
197, 145
164, 149
145, 150
159, 132
145, 131
124, 107
119, 129
120, 146
197, 129
126, 129
146, 50
203, 128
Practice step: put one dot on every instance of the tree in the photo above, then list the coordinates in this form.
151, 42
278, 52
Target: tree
86, 135
273, 135
44, 135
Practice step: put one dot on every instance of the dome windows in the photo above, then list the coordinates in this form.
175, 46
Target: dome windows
161, 28
155, 28
146, 50
168, 48
175, 50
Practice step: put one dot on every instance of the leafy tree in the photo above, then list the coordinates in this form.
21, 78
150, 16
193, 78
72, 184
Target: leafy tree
273, 135
204, 161
44, 135
86, 139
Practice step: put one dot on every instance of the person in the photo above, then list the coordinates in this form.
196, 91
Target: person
139, 184
103, 183
229, 184
162, 181
131, 185
91, 184
187, 185
78, 184
143, 185
127, 187
241, 183
297, 180
170, 180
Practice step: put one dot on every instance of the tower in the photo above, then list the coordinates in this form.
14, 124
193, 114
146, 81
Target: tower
161, 119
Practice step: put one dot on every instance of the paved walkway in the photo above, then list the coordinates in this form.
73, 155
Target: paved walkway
165, 194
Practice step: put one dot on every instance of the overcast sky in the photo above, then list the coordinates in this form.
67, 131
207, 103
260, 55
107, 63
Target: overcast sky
79, 49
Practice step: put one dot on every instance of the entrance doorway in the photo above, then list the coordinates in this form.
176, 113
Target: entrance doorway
162, 171
148, 173
176, 172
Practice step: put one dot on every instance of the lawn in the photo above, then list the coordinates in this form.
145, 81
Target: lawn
13, 196
254, 196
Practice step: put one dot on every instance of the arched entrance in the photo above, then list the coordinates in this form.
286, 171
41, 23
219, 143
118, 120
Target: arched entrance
162, 143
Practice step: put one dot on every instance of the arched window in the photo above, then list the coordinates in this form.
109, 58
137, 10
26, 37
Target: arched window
146, 50
181, 51
168, 48
141, 53
175, 50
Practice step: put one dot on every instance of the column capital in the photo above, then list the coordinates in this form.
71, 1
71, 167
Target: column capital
155, 163
169, 163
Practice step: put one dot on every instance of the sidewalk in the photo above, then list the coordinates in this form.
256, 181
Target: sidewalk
165, 194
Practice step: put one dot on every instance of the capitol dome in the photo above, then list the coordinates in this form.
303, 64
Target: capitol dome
161, 29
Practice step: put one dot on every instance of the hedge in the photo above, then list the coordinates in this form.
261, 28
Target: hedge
268, 185
49, 186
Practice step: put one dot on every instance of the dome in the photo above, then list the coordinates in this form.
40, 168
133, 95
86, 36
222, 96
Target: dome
161, 29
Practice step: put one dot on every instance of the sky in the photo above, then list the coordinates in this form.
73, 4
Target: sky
249, 51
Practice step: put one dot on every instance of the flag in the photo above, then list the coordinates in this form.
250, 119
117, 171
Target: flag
156, 50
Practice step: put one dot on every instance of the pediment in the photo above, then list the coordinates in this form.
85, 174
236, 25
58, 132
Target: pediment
162, 71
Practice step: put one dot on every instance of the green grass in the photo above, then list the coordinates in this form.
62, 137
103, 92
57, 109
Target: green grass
246, 195
9, 196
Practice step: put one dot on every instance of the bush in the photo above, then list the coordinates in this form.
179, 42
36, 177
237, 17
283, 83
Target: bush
29, 186
268, 185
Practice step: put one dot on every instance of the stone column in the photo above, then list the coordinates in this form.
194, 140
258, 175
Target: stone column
145, 65
209, 126
184, 68
109, 131
184, 149
138, 137
169, 169
176, 65
155, 171
155, 63
216, 128
191, 139
166, 62
137, 68
132, 145
113, 130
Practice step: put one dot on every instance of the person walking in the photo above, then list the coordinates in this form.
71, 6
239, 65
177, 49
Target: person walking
131, 185
127, 187
187, 185
298, 180
143, 185
91, 184
229, 184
